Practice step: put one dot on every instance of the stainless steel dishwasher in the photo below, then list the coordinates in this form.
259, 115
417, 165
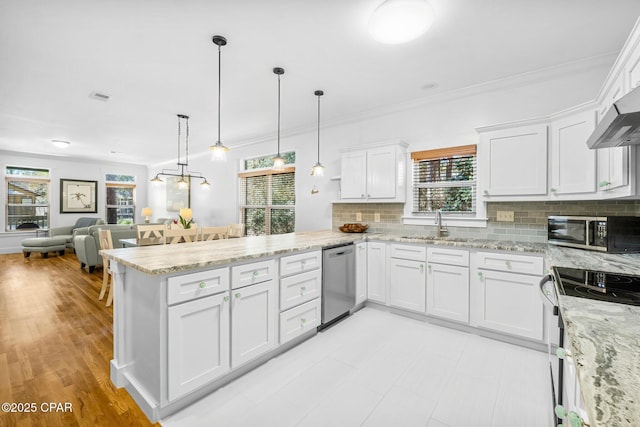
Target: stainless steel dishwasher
338, 283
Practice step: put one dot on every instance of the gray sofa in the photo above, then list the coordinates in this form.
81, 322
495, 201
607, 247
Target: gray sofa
70, 231
87, 245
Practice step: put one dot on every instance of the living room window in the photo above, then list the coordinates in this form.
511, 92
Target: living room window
27, 198
267, 197
121, 198
445, 179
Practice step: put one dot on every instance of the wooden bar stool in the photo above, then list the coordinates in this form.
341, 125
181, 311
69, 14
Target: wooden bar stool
106, 243
214, 233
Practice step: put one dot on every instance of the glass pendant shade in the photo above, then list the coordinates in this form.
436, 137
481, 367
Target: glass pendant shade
157, 180
278, 163
219, 152
317, 169
205, 185
183, 184
400, 21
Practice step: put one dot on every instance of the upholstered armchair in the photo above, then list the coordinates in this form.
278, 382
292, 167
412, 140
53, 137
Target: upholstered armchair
69, 231
87, 246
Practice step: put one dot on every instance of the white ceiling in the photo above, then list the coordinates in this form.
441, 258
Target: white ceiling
156, 59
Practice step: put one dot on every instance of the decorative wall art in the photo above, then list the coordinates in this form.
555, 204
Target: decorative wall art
78, 196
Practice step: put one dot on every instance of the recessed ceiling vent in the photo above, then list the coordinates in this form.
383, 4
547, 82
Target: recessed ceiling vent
99, 96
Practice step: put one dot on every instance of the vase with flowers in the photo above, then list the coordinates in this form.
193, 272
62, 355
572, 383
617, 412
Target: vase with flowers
185, 218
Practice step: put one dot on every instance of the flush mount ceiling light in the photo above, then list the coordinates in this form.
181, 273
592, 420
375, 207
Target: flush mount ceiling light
400, 21
60, 144
218, 150
182, 170
278, 160
318, 168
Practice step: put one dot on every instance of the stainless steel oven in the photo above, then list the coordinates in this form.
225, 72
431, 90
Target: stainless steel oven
556, 364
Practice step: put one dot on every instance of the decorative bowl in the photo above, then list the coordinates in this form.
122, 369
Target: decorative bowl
353, 228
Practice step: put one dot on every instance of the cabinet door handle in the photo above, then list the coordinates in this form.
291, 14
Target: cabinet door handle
603, 184
480, 276
485, 193
553, 190
562, 353
362, 196
202, 285
238, 295
226, 298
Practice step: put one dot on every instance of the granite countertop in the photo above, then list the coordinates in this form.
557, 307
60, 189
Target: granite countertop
604, 337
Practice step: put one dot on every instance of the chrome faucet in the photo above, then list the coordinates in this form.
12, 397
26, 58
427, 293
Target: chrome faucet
442, 229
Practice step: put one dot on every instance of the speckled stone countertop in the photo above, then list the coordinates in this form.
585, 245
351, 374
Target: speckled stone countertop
604, 337
167, 259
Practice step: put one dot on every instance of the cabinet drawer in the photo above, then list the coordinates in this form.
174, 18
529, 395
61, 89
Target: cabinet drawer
513, 263
298, 320
250, 274
196, 285
299, 263
414, 253
294, 290
448, 256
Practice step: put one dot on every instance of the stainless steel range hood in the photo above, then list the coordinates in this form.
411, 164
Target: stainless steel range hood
620, 125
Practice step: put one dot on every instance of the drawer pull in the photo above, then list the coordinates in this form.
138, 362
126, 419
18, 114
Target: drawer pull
303, 262
202, 285
303, 320
226, 298
508, 264
255, 273
238, 295
302, 289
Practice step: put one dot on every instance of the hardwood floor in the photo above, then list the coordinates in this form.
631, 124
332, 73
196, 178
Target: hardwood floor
56, 342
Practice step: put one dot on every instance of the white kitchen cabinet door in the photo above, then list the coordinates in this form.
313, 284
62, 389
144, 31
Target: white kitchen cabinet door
376, 272
361, 272
514, 161
381, 173
353, 180
299, 320
407, 283
573, 164
198, 343
507, 302
613, 168
448, 292
253, 322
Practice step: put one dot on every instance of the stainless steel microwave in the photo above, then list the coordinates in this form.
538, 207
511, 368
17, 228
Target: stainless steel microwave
614, 234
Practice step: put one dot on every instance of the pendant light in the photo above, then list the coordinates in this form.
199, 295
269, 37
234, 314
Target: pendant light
218, 150
182, 171
278, 160
318, 168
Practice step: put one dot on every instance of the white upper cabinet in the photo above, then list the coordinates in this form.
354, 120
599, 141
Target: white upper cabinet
573, 164
374, 174
513, 161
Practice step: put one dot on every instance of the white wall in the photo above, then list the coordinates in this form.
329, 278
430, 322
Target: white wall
442, 121
67, 168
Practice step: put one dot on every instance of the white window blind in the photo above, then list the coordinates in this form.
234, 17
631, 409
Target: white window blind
445, 179
267, 201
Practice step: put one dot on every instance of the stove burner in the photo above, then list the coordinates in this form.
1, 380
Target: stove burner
599, 285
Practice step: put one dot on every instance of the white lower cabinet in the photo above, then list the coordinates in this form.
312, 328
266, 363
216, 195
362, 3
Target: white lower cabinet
300, 319
198, 343
448, 291
407, 281
507, 302
253, 321
361, 272
377, 272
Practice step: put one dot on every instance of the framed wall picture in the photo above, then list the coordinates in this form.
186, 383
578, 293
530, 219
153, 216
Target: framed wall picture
78, 196
177, 198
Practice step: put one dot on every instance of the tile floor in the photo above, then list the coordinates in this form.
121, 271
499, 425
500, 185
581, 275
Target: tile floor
380, 369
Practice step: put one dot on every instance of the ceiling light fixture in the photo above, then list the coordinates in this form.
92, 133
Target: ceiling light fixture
60, 144
182, 170
318, 168
218, 150
278, 160
400, 21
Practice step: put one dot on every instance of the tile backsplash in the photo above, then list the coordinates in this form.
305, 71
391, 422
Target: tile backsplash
529, 225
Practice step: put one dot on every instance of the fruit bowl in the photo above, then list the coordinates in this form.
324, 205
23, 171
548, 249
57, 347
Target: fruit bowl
353, 228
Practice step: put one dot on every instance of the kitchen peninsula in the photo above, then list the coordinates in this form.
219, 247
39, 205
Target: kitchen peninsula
168, 300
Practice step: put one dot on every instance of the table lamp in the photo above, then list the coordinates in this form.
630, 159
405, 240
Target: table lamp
146, 213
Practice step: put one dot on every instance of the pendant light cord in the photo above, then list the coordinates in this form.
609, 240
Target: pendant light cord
219, 86
278, 115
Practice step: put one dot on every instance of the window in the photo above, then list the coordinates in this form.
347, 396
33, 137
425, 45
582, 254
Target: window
267, 197
445, 179
121, 199
27, 198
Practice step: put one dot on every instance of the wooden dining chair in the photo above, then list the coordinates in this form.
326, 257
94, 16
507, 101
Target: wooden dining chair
179, 235
104, 236
213, 233
235, 230
151, 231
